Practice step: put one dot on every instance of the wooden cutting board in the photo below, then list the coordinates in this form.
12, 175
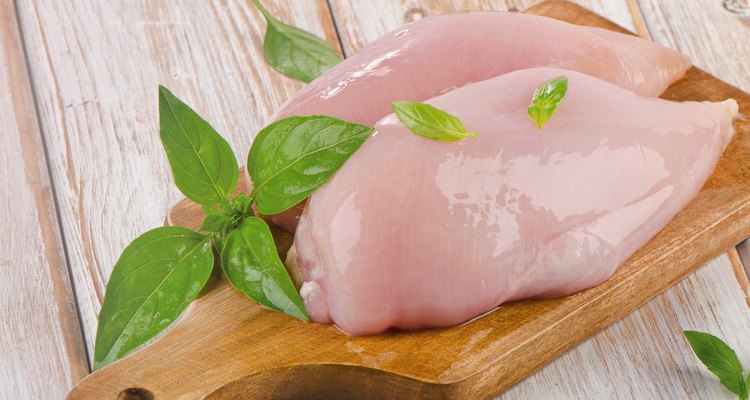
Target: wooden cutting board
225, 346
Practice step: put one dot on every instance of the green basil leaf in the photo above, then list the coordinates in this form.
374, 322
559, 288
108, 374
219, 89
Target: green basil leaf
153, 281
719, 359
203, 164
293, 52
546, 99
292, 157
214, 223
211, 209
430, 122
253, 267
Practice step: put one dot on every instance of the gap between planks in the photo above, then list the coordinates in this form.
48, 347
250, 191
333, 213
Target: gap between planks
53, 189
44, 353
740, 272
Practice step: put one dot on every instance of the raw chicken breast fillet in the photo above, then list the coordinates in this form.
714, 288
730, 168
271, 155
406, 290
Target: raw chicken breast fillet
431, 56
414, 233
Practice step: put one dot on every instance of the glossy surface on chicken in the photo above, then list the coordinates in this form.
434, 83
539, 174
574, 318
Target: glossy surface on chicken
415, 233
431, 56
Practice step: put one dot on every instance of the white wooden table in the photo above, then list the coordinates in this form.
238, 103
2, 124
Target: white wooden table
82, 171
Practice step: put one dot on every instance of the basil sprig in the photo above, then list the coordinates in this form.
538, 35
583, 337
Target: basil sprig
720, 359
430, 122
161, 272
546, 99
293, 52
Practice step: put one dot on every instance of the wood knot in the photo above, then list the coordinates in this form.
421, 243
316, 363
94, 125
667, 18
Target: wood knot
739, 7
414, 13
136, 393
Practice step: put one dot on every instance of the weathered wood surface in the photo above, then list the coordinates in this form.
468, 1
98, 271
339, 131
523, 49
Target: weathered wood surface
662, 356
95, 67
715, 38
41, 349
362, 21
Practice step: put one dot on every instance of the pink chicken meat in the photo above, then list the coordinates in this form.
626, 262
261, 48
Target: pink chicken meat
431, 56
414, 233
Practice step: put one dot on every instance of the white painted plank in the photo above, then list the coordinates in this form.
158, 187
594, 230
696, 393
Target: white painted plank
360, 22
41, 348
617, 11
96, 66
363, 21
716, 39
